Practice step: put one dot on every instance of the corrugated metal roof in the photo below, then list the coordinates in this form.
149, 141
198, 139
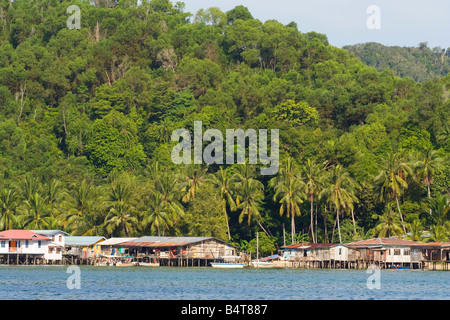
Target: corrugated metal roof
434, 244
309, 245
113, 241
48, 232
383, 241
151, 241
81, 241
21, 235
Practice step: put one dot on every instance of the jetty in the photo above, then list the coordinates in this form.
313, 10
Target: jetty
384, 253
56, 247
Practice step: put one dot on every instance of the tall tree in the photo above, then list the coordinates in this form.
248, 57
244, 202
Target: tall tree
391, 180
339, 191
9, 201
313, 176
426, 167
223, 181
289, 192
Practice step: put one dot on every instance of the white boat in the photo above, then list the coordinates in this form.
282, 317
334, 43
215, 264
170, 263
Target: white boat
262, 264
228, 262
227, 265
148, 264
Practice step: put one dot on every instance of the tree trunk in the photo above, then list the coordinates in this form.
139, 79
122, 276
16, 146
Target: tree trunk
429, 195
339, 227
325, 225
312, 224
400, 212
226, 218
292, 226
354, 224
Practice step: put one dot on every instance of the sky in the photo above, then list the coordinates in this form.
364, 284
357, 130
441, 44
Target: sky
400, 22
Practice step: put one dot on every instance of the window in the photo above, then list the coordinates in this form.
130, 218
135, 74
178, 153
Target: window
60, 238
396, 252
406, 252
340, 251
50, 250
3, 244
26, 243
39, 243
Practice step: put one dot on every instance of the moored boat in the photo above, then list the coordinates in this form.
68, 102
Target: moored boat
227, 265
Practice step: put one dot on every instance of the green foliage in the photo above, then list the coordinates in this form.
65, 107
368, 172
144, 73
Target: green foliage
85, 111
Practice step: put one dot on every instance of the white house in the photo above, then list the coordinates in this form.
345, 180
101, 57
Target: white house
27, 243
55, 250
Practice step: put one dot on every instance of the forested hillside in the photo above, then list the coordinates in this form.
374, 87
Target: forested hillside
86, 118
421, 63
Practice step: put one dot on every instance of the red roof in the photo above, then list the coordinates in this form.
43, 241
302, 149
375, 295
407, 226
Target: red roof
21, 235
383, 241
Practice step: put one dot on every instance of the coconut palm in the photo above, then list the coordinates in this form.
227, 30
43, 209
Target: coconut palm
438, 233
30, 187
339, 192
9, 201
289, 192
415, 231
313, 177
36, 214
223, 181
79, 216
249, 197
440, 206
171, 190
388, 224
194, 176
248, 194
391, 180
159, 217
426, 167
121, 213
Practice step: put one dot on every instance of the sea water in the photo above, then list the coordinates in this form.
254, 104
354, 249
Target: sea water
165, 283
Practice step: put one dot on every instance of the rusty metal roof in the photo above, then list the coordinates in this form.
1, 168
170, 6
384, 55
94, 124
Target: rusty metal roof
151, 241
383, 241
309, 245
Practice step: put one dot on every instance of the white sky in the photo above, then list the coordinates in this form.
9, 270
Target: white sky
403, 22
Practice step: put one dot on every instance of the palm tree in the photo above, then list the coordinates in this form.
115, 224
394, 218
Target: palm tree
37, 213
313, 182
415, 231
222, 180
440, 205
249, 197
426, 167
339, 192
249, 194
288, 186
79, 217
30, 187
194, 177
439, 233
388, 224
121, 213
158, 216
8, 207
171, 190
53, 193
391, 180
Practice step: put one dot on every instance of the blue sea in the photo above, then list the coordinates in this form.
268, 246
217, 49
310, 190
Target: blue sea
165, 283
